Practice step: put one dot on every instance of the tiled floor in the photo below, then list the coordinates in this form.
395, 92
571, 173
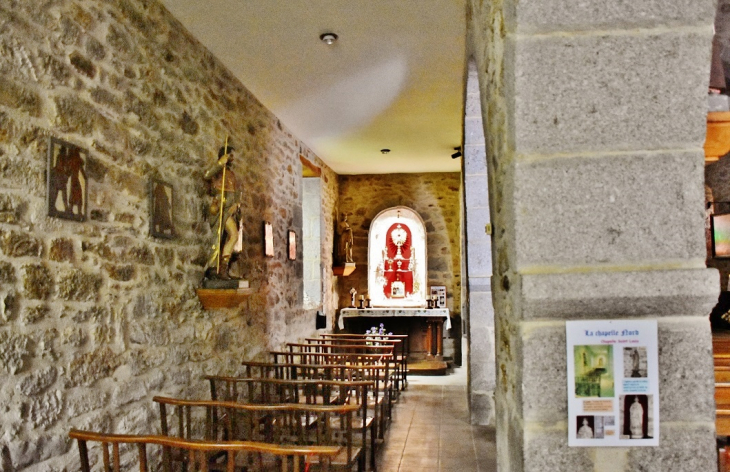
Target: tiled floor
430, 431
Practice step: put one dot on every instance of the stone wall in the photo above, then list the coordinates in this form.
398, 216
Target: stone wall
433, 196
97, 317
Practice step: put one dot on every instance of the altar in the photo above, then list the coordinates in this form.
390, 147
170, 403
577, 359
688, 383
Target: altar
424, 327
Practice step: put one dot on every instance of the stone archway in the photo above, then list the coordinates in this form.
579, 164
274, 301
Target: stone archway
594, 122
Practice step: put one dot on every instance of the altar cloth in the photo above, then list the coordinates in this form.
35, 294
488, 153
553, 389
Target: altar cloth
394, 312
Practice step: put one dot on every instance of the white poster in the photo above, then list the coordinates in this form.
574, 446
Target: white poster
613, 383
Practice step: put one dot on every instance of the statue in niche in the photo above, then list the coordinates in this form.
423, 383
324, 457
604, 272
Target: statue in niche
344, 241
636, 419
224, 213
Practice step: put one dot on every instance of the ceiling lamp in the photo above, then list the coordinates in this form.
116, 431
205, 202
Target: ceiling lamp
457, 154
328, 38
385, 151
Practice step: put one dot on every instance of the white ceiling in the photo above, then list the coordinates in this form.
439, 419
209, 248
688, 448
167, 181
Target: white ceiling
394, 79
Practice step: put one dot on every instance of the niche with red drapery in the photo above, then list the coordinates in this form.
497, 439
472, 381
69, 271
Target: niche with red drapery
397, 259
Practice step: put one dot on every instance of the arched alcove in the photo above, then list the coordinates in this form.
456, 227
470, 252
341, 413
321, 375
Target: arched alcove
397, 264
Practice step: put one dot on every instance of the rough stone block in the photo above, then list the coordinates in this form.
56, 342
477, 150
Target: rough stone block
87, 368
128, 392
691, 292
11, 209
14, 349
682, 447
7, 273
83, 401
80, 286
548, 450
543, 362
62, 250
37, 281
581, 211
586, 93
475, 159
39, 449
481, 408
564, 15
44, 410
33, 314
122, 273
473, 131
37, 382
16, 244
686, 379
480, 259
476, 192
476, 221
481, 309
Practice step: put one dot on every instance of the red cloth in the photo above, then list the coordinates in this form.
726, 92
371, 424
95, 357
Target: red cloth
391, 271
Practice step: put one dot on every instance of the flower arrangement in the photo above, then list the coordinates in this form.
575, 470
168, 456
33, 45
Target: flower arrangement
376, 334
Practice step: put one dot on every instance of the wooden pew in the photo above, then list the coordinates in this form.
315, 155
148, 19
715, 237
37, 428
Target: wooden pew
402, 351
293, 424
288, 458
374, 373
400, 357
264, 391
385, 398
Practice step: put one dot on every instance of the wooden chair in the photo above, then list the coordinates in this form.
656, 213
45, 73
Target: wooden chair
398, 346
402, 349
294, 424
308, 391
384, 398
284, 458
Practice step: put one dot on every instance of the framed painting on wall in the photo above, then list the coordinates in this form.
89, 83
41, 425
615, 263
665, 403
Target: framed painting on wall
67, 185
292, 245
720, 230
268, 240
161, 222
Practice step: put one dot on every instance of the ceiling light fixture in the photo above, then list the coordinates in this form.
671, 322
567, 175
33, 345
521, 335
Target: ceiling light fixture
385, 151
457, 154
328, 38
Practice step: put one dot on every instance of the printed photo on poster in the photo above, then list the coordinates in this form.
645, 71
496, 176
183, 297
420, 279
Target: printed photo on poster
67, 185
594, 371
636, 416
635, 365
593, 427
161, 198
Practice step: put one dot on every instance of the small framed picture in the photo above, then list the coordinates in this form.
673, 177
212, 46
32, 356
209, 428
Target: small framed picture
292, 245
268, 240
67, 184
161, 222
440, 292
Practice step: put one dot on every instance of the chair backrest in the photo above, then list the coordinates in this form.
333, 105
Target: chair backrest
198, 453
297, 424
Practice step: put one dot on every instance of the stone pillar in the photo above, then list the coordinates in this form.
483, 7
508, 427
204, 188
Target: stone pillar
478, 258
594, 122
